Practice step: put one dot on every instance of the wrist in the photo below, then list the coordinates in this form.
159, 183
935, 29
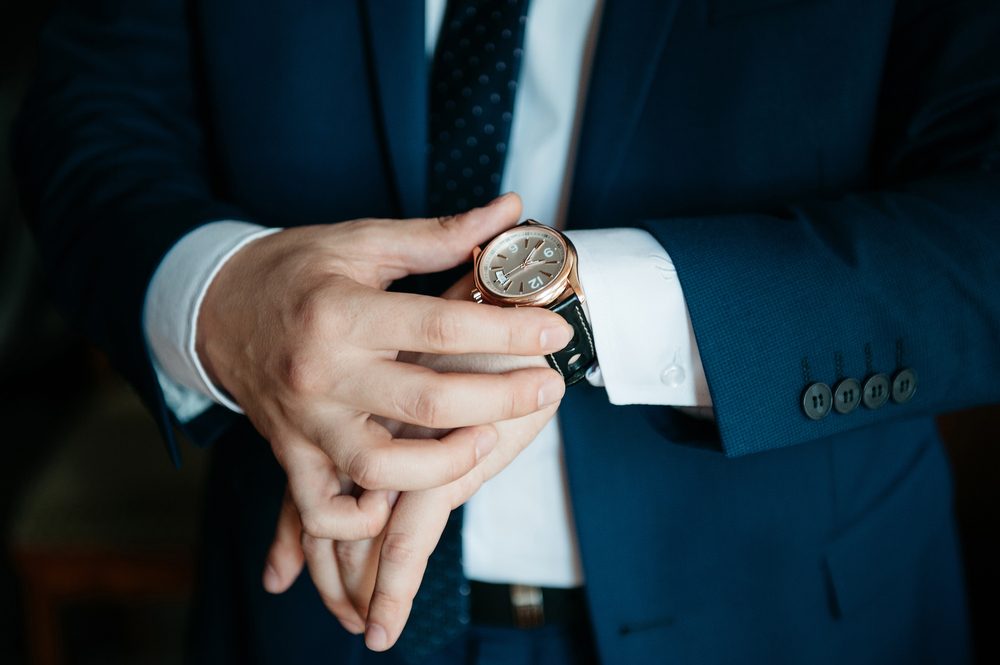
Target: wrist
220, 300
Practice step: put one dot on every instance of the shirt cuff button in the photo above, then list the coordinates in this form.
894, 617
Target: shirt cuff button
673, 376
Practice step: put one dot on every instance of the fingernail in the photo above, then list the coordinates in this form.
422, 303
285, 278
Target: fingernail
556, 337
498, 199
375, 638
271, 580
550, 392
486, 440
391, 497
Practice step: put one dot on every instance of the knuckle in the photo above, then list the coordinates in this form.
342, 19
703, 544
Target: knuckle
350, 555
506, 326
366, 469
426, 407
372, 525
510, 341
300, 373
310, 311
512, 405
440, 330
387, 604
506, 323
348, 564
313, 525
398, 548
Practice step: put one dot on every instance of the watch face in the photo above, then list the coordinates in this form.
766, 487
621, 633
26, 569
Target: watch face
522, 261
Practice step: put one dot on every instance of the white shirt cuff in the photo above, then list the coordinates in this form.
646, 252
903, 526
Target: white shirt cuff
646, 347
170, 317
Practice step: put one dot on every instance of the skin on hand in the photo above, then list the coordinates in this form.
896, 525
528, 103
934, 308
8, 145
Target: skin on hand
298, 328
370, 584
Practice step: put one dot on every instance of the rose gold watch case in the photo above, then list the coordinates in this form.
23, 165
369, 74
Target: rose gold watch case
566, 282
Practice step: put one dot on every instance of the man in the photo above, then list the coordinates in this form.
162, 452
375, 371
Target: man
814, 181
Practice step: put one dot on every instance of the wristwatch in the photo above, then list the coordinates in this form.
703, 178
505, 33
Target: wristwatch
534, 265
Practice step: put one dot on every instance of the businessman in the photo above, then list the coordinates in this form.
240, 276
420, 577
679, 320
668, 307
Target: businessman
782, 213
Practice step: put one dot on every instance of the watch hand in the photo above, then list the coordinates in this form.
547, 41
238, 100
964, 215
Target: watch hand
532, 252
515, 269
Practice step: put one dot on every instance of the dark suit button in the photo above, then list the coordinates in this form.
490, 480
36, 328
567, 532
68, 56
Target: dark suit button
817, 400
876, 391
904, 384
846, 395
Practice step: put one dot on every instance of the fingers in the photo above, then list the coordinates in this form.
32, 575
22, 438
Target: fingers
323, 510
325, 573
381, 462
408, 322
418, 246
414, 530
358, 563
343, 573
421, 396
285, 558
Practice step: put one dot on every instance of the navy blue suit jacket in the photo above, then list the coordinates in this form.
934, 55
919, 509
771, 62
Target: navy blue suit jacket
824, 173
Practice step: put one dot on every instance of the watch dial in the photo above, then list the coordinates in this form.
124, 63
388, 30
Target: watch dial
522, 262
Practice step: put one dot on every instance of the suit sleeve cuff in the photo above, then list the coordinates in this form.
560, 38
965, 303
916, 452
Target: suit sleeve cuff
646, 347
173, 301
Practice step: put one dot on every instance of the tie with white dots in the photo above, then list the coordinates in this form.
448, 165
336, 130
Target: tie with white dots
473, 83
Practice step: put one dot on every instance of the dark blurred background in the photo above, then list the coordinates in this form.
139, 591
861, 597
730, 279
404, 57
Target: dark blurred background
100, 531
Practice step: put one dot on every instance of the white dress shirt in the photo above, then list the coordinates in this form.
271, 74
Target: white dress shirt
518, 528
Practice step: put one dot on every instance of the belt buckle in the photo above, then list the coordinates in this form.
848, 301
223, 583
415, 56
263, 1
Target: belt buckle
528, 606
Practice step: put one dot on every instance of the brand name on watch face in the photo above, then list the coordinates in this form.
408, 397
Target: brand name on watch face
522, 263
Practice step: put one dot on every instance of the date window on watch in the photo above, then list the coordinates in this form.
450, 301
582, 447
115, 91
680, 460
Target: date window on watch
501, 277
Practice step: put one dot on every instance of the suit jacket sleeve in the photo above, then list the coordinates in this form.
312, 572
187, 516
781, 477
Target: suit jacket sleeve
906, 274
110, 158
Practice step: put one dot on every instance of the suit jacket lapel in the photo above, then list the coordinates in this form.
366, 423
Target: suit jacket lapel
398, 70
629, 46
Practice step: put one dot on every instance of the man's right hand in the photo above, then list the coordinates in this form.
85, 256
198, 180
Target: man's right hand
299, 329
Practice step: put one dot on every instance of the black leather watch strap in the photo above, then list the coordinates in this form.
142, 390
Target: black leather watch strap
578, 356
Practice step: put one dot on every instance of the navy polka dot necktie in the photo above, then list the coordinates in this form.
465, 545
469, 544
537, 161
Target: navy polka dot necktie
473, 83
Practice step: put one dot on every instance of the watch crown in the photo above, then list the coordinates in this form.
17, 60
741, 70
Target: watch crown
477, 295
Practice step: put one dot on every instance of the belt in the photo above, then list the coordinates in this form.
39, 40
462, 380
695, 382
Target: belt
522, 606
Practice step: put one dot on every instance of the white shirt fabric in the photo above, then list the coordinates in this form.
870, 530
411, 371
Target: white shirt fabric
518, 528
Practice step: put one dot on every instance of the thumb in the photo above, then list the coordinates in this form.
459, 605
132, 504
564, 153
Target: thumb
439, 243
